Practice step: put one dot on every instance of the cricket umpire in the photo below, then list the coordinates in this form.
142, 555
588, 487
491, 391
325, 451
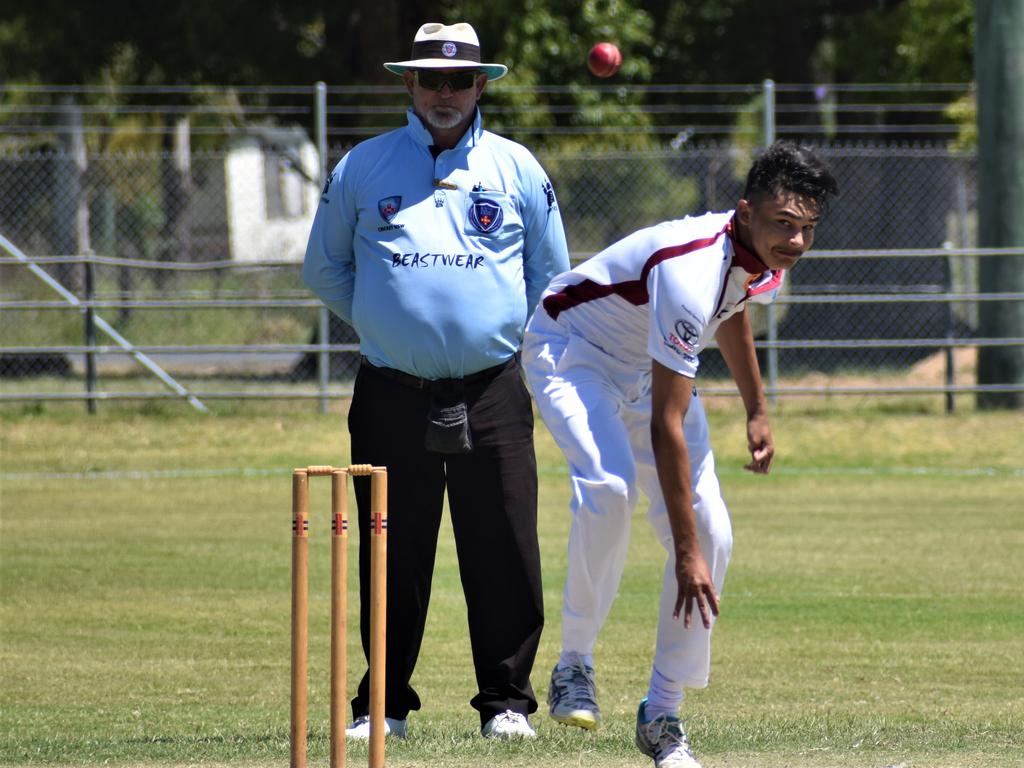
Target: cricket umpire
434, 242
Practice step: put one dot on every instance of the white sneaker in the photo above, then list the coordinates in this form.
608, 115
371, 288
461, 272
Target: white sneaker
360, 729
572, 695
664, 739
508, 725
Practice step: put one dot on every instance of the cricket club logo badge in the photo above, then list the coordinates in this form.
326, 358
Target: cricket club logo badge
485, 215
389, 206
449, 49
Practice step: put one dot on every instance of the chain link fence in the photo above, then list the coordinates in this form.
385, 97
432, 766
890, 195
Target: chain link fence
191, 258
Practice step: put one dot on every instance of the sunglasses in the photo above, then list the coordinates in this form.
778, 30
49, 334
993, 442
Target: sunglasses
435, 81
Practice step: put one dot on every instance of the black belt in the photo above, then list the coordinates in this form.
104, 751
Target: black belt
415, 382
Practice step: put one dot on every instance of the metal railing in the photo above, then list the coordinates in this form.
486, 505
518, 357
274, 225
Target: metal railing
327, 387
676, 113
189, 235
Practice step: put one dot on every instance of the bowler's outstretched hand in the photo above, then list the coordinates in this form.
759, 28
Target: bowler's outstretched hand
696, 589
760, 445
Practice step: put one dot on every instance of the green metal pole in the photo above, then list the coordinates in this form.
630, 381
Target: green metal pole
999, 70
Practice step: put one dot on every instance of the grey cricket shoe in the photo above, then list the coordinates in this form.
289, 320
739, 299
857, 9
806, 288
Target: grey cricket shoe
663, 739
572, 695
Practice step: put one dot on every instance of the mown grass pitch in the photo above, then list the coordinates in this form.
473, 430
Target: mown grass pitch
873, 614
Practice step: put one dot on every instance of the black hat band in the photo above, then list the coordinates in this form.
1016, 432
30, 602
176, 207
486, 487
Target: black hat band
445, 49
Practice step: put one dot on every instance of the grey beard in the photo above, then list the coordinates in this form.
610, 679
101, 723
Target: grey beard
444, 117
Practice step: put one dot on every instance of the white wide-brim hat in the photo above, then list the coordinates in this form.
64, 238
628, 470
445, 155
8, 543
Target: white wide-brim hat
441, 46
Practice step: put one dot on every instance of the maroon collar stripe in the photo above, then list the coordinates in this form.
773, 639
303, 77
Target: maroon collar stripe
633, 291
767, 285
744, 258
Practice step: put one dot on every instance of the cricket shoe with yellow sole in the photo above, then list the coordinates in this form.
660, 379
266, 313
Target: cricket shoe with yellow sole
572, 695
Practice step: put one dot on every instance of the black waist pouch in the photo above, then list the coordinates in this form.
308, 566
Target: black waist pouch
448, 422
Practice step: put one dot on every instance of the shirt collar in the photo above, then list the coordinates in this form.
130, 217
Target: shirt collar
742, 256
422, 136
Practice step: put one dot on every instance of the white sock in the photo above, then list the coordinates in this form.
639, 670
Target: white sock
569, 658
663, 697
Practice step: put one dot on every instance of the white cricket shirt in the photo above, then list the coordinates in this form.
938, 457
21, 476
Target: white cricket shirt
662, 291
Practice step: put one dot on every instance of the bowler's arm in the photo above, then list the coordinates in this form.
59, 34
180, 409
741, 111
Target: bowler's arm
670, 394
736, 343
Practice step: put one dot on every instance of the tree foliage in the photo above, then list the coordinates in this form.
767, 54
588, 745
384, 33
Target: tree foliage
912, 41
235, 42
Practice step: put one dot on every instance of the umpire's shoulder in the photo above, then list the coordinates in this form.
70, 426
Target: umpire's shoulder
510, 150
379, 150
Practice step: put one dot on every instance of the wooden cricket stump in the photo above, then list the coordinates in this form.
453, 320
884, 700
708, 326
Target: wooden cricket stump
339, 608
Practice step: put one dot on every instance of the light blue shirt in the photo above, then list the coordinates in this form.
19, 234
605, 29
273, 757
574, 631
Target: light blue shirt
436, 264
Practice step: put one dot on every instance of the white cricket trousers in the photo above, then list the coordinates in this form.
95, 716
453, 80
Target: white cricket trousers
598, 410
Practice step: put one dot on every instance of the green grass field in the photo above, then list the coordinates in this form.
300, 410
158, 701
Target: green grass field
873, 615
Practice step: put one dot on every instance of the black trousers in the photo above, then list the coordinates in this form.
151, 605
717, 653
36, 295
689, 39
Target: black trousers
492, 496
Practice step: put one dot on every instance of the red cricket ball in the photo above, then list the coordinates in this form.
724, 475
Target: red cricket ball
604, 59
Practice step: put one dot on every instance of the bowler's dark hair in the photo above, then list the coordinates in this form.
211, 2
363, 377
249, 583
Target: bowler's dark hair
786, 167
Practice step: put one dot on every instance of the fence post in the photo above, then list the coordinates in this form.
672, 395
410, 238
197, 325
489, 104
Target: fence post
320, 114
772, 317
967, 278
950, 359
323, 358
90, 337
968, 264
71, 211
